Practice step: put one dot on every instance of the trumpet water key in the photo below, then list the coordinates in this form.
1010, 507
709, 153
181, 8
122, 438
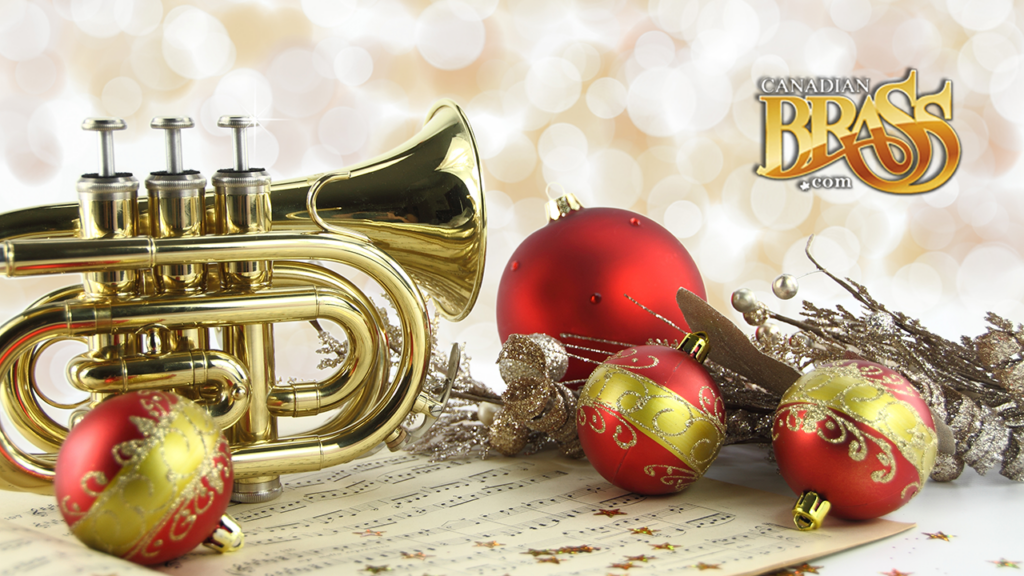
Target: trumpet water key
166, 276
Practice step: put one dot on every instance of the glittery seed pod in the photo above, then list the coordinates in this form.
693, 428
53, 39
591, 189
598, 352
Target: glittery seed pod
531, 366
858, 435
651, 420
145, 476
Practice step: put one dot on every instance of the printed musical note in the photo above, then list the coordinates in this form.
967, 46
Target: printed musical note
268, 511
358, 487
711, 520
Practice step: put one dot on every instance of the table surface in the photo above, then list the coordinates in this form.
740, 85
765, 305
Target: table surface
984, 516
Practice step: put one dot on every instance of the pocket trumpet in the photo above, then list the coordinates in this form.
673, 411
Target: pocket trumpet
160, 273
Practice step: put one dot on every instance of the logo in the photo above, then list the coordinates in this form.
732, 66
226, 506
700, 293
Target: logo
897, 141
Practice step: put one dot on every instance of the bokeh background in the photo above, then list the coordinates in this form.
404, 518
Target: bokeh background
645, 105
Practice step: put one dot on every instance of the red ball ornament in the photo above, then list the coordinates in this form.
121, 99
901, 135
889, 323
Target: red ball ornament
144, 476
572, 275
854, 434
651, 420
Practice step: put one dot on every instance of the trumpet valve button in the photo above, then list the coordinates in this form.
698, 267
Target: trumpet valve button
238, 126
106, 127
172, 127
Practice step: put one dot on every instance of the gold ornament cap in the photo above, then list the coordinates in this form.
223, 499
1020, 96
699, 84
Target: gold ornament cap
562, 206
810, 510
695, 345
227, 537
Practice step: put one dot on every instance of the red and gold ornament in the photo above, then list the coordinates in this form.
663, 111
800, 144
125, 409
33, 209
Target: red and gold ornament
651, 419
570, 277
854, 437
147, 476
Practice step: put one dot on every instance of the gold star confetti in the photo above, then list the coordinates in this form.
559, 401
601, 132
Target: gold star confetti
665, 546
643, 530
576, 549
702, 566
415, 555
624, 565
895, 572
610, 513
491, 544
641, 558
937, 536
549, 560
369, 532
376, 569
536, 553
1004, 563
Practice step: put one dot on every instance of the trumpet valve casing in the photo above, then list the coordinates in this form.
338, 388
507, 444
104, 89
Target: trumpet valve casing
242, 206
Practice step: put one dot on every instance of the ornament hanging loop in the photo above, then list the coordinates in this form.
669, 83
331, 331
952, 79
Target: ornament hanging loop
810, 510
560, 206
695, 345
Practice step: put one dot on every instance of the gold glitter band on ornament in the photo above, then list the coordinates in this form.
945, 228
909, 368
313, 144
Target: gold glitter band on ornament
668, 419
845, 389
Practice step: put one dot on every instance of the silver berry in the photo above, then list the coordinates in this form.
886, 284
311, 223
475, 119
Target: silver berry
743, 300
785, 286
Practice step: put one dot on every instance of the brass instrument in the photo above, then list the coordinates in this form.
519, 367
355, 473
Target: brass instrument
161, 272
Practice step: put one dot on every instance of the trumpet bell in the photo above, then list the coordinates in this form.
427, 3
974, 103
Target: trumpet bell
422, 203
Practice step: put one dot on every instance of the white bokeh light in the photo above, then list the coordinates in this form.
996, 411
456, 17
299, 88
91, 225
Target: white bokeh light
830, 52
850, 15
661, 101
37, 75
553, 84
615, 179
991, 277
24, 30
353, 66
450, 35
674, 16
138, 17
683, 218
606, 97
979, 14
516, 160
654, 49
122, 97
585, 58
248, 89
563, 147
700, 158
916, 289
299, 90
917, 42
329, 13
343, 130
195, 44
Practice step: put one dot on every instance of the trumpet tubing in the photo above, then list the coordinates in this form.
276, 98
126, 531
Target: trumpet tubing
163, 272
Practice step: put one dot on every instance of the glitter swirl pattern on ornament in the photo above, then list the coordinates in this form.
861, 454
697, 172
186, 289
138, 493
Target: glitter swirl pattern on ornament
169, 477
831, 401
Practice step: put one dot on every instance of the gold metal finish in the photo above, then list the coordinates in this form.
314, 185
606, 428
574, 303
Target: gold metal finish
695, 345
412, 220
810, 510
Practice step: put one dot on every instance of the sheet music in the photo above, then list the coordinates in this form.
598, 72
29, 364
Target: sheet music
539, 515
27, 551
